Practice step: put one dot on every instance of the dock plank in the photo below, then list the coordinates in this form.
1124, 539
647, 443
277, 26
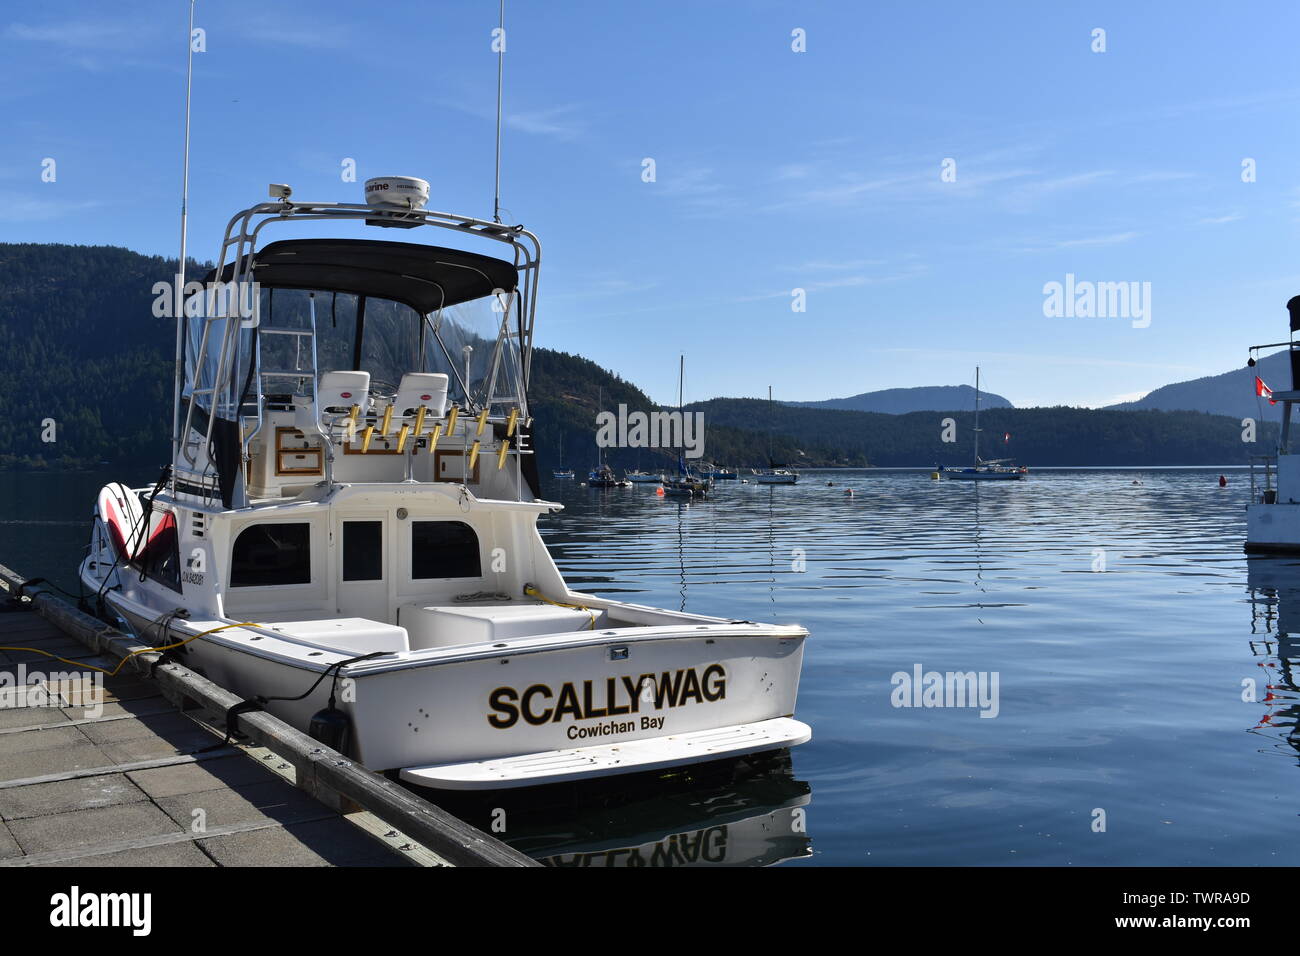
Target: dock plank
8, 845
80, 829
111, 773
331, 842
62, 796
228, 771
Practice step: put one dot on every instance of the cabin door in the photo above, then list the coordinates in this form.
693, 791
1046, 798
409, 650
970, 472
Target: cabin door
364, 566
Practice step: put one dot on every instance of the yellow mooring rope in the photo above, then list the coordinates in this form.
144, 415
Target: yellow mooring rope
533, 592
143, 650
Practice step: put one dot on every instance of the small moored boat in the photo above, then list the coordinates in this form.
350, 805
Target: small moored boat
991, 469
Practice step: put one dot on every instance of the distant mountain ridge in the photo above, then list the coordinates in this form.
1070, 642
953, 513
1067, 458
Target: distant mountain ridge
923, 398
1036, 437
1229, 393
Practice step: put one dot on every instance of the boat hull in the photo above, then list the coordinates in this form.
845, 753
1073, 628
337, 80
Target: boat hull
515, 714
1273, 528
981, 476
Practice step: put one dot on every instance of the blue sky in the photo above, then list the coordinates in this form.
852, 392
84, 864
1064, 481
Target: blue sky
775, 170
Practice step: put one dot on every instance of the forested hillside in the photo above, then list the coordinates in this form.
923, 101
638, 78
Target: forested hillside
1038, 436
79, 344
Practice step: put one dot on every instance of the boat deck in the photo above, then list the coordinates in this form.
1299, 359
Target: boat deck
130, 780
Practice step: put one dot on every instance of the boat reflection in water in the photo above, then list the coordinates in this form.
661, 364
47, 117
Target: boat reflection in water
742, 812
1274, 585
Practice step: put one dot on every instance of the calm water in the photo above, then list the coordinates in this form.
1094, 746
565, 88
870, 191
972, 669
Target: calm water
1120, 689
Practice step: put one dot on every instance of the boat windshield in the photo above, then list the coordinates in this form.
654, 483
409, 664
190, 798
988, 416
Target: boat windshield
475, 343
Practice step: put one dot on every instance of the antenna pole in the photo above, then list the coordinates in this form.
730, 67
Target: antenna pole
501, 54
180, 266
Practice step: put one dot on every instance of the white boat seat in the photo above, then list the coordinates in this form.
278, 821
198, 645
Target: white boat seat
427, 389
337, 392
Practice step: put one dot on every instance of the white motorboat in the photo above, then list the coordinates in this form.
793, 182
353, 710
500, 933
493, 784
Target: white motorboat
643, 478
348, 535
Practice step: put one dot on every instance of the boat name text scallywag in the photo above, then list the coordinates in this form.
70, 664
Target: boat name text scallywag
538, 704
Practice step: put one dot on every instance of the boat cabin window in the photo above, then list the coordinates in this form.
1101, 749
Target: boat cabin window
363, 550
444, 549
271, 554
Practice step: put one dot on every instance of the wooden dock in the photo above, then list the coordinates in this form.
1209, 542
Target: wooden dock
131, 770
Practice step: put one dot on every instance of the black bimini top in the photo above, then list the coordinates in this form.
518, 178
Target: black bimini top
424, 277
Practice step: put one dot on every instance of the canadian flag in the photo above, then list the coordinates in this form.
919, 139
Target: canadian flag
1262, 389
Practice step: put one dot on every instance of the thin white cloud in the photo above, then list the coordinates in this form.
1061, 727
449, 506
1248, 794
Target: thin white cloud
559, 122
1048, 245
794, 171
563, 122
845, 265
601, 287
78, 35
841, 282
15, 207
96, 45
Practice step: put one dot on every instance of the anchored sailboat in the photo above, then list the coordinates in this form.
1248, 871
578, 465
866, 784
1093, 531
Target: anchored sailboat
602, 476
562, 472
775, 474
685, 484
993, 469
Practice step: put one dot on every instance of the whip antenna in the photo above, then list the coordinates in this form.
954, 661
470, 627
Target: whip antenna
501, 54
180, 266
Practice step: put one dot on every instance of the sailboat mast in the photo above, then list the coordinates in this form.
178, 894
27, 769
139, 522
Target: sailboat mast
977, 416
770, 425
681, 378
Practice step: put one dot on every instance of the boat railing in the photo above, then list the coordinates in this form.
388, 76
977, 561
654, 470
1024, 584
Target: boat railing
1263, 479
238, 246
